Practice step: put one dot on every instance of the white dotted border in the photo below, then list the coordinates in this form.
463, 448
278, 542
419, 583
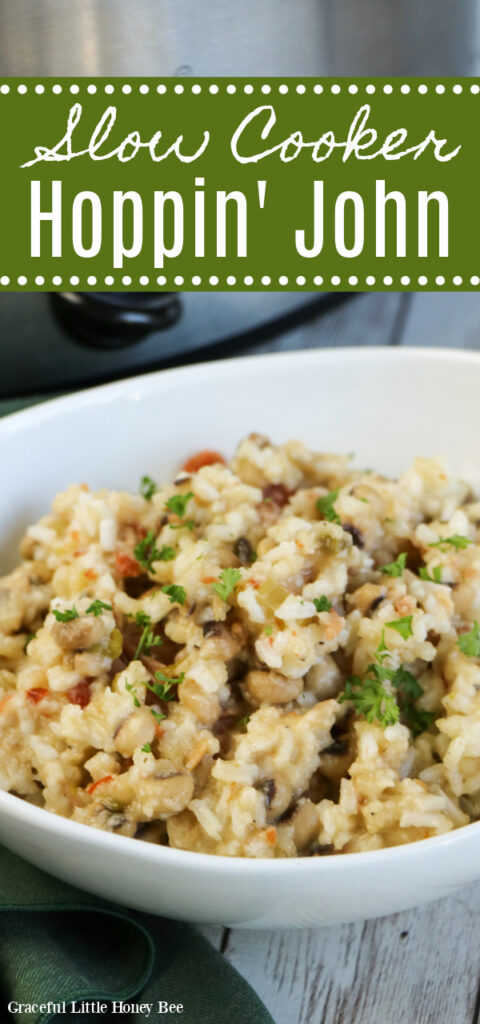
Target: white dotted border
231, 88
265, 281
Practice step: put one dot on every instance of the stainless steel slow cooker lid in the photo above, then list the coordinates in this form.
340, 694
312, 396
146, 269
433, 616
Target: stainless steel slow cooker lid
251, 37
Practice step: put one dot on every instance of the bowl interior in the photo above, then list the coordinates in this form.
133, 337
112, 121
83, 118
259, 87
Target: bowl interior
386, 405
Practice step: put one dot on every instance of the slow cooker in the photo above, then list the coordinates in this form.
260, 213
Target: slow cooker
73, 339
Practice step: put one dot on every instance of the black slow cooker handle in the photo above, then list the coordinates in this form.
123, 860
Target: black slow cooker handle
115, 319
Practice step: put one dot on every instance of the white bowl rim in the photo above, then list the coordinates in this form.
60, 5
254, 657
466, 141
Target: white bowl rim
16, 421
48, 821
108, 842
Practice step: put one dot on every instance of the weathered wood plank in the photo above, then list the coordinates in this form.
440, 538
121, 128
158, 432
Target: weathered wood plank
444, 319
418, 967
215, 935
363, 320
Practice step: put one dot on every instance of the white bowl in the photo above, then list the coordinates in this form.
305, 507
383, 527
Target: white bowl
388, 405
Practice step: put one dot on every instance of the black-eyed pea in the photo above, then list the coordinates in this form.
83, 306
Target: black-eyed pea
324, 679
134, 732
264, 546
271, 687
78, 634
221, 642
278, 796
335, 765
183, 831
366, 597
203, 769
198, 752
165, 792
122, 826
152, 832
205, 706
305, 824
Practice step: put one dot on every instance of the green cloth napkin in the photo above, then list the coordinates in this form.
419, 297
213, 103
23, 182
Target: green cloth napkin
58, 944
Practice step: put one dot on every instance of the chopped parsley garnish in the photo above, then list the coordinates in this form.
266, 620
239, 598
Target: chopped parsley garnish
185, 524
67, 615
382, 649
175, 593
141, 618
131, 689
163, 688
380, 672
97, 607
178, 503
416, 718
147, 553
148, 488
395, 568
402, 626
268, 630
469, 643
436, 576
371, 700
158, 715
227, 582
148, 638
242, 723
409, 691
325, 506
322, 604
31, 636
405, 681
166, 554
146, 749
456, 541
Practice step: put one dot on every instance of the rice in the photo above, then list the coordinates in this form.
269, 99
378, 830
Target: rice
271, 658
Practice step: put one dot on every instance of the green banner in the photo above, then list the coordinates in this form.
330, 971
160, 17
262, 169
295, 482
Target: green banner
315, 184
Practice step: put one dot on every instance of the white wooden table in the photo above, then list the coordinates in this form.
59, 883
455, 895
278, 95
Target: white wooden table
421, 966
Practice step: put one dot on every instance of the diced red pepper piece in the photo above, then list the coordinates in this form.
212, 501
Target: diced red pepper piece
126, 565
204, 458
36, 694
93, 786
